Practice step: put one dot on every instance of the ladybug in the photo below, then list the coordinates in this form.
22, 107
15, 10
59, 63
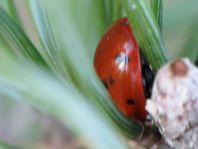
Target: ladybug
123, 70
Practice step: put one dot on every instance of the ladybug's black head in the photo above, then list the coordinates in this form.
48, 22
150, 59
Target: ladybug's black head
147, 76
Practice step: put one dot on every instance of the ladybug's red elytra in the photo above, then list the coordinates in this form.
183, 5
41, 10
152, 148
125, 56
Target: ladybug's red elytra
118, 64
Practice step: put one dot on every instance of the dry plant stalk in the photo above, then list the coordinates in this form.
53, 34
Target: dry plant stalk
174, 104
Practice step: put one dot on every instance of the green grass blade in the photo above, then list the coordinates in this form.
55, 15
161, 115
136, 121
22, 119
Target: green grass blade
87, 17
6, 6
157, 6
147, 32
13, 35
13, 12
114, 10
46, 93
9, 7
54, 51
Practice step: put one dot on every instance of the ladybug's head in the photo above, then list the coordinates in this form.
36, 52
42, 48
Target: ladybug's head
147, 76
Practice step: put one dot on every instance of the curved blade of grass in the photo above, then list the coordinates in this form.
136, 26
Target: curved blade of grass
54, 51
62, 36
87, 17
147, 32
46, 93
16, 38
13, 11
114, 10
157, 6
9, 7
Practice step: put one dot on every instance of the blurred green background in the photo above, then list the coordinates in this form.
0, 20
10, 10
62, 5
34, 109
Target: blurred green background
180, 29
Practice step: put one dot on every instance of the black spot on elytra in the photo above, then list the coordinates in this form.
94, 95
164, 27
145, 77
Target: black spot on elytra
108, 82
130, 101
111, 80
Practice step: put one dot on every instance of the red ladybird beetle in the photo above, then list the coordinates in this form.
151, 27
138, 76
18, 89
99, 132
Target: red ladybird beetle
118, 63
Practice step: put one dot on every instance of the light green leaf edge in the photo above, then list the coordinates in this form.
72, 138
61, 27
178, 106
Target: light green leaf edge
15, 38
157, 6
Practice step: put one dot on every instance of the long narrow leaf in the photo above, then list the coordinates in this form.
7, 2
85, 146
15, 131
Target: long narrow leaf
114, 10
17, 39
46, 93
157, 6
147, 32
4, 4
13, 11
